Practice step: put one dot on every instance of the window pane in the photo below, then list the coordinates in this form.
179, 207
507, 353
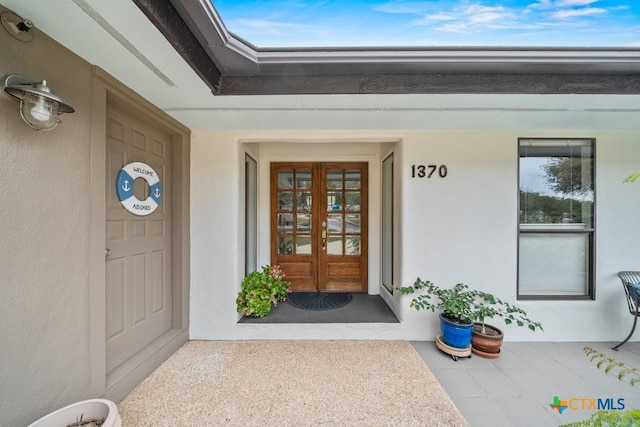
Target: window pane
553, 264
387, 223
251, 215
334, 179
352, 201
285, 222
285, 245
334, 201
352, 223
334, 223
353, 245
556, 182
352, 180
285, 179
304, 201
303, 223
334, 245
303, 245
303, 179
285, 201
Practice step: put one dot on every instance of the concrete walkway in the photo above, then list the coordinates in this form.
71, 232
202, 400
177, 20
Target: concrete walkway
518, 388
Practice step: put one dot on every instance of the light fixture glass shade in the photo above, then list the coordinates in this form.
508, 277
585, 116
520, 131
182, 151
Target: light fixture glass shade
39, 107
39, 112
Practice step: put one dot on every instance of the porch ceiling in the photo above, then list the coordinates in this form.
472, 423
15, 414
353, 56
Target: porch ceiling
151, 47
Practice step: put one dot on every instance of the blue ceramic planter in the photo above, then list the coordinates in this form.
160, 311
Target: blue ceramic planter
455, 334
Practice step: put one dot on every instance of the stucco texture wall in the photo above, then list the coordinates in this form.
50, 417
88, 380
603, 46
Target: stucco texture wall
44, 238
462, 228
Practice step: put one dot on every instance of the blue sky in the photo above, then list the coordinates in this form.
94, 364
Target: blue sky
554, 23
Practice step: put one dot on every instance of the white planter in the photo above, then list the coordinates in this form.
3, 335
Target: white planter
88, 409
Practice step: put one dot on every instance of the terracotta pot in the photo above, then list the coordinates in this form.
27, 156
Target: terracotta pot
490, 342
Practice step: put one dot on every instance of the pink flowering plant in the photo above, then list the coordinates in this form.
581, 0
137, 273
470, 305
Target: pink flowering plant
261, 290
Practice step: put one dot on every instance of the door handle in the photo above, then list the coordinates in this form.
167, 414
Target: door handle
107, 252
324, 239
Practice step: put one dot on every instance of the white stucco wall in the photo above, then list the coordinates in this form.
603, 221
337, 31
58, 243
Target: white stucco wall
44, 239
462, 228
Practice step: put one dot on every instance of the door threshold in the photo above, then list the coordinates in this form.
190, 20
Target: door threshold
362, 308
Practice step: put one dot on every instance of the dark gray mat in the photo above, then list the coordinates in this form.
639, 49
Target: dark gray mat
319, 300
363, 308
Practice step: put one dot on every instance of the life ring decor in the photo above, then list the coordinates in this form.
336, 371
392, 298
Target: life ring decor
124, 188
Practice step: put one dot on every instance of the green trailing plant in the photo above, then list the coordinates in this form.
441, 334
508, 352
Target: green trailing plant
632, 178
463, 305
611, 366
262, 290
629, 418
624, 373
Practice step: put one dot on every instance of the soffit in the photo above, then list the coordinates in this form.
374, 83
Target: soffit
117, 37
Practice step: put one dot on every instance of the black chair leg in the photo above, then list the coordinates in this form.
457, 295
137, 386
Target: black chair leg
633, 328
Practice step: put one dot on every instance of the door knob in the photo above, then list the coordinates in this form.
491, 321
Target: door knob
107, 252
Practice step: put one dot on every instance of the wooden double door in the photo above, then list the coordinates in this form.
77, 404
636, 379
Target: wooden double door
319, 224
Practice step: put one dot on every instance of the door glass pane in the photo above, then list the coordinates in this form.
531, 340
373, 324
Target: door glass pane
352, 223
334, 245
304, 201
285, 179
334, 223
353, 245
285, 245
285, 201
285, 222
303, 179
352, 180
352, 200
334, 179
334, 201
304, 223
303, 244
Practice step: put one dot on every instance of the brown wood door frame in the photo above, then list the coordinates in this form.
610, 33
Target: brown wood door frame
319, 270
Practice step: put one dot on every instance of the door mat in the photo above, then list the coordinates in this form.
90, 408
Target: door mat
319, 300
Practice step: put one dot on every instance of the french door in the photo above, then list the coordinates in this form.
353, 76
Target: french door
319, 224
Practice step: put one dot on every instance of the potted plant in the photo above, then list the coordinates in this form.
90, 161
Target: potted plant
261, 290
463, 314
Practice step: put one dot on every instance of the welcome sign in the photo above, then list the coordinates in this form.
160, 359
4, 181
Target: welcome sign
124, 188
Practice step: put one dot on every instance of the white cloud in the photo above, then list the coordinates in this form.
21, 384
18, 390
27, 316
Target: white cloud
569, 3
572, 13
483, 14
555, 4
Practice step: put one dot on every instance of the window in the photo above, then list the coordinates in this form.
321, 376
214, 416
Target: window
251, 214
556, 225
387, 223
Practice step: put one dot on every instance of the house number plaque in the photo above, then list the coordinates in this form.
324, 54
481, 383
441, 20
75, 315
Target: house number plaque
428, 171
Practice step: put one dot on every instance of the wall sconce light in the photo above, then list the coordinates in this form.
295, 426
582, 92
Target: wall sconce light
39, 107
